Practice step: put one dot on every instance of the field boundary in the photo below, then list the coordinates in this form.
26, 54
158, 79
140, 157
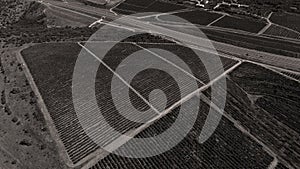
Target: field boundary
282, 74
221, 17
115, 6
42, 106
165, 13
269, 24
144, 7
119, 142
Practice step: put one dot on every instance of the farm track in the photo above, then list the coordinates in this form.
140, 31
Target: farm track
268, 123
261, 58
240, 24
115, 16
286, 73
290, 21
156, 6
269, 23
195, 91
191, 16
259, 122
195, 153
43, 108
80, 135
276, 30
90, 147
292, 75
67, 125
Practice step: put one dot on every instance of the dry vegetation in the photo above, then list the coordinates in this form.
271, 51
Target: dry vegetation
25, 141
11, 11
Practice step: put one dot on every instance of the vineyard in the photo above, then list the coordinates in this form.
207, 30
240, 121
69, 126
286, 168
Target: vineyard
227, 147
268, 108
276, 30
292, 75
288, 20
248, 25
196, 17
60, 106
147, 78
254, 96
194, 61
253, 42
136, 6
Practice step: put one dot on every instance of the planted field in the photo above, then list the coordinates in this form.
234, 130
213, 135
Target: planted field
227, 147
195, 17
132, 7
292, 75
141, 3
159, 6
194, 61
259, 100
51, 66
124, 8
288, 20
243, 24
257, 43
254, 94
266, 104
282, 32
281, 166
54, 83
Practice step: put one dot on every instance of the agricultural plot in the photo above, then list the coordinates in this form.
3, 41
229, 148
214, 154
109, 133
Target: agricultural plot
266, 104
281, 166
124, 8
242, 24
195, 17
54, 83
159, 6
139, 3
254, 107
227, 147
257, 43
292, 75
288, 20
194, 61
276, 30
132, 7
52, 74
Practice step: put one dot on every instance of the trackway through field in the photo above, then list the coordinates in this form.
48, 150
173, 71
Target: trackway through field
197, 92
61, 116
96, 15
205, 99
241, 128
64, 139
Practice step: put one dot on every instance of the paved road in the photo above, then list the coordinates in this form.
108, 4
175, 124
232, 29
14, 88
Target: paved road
97, 13
262, 58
